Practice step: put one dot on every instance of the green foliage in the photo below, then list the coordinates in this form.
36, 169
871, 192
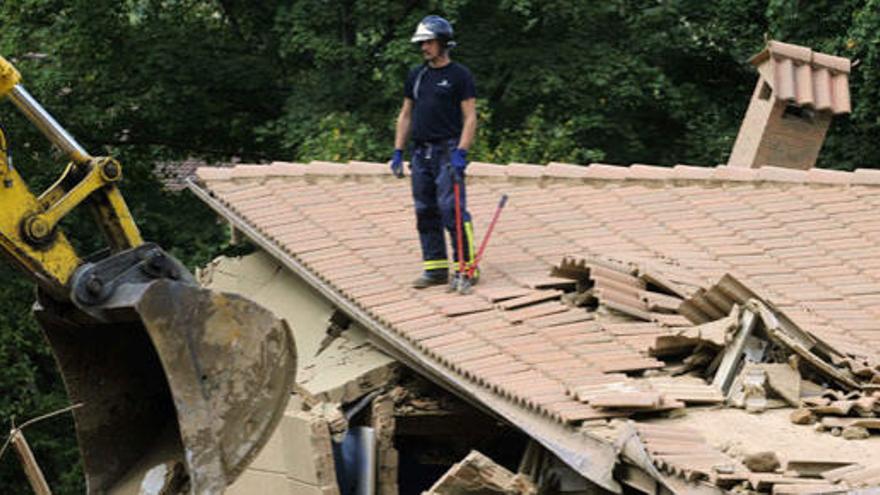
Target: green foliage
618, 81
340, 137
543, 141
30, 386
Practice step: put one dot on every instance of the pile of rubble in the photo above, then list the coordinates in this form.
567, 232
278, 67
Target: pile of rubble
359, 422
362, 423
727, 346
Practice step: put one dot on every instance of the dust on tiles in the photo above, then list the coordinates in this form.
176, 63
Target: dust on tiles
704, 330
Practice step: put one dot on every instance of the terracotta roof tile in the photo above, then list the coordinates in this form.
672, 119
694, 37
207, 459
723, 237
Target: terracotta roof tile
824, 176
734, 173
319, 168
603, 171
565, 171
866, 176
213, 173
368, 168
690, 172
478, 169
524, 170
638, 171
804, 237
805, 77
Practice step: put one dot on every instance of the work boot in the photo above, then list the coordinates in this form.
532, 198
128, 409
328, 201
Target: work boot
466, 284
454, 281
427, 279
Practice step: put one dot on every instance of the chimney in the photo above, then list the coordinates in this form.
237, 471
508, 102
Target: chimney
798, 92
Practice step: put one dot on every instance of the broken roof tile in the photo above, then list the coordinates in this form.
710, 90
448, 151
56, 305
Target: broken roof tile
529, 299
812, 242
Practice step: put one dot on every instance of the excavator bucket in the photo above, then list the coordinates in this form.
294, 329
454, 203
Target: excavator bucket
181, 386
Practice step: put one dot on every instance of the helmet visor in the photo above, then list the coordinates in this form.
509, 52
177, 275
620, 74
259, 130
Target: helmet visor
423, 34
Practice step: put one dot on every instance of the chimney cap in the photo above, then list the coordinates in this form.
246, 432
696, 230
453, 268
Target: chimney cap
806, 78
801, 55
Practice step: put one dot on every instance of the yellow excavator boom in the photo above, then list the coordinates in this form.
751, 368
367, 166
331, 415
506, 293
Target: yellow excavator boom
179, 384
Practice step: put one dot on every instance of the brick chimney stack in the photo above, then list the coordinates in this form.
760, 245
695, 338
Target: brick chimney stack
797, 94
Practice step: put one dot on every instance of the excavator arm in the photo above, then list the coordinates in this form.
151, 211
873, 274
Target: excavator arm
29, 230
178, 383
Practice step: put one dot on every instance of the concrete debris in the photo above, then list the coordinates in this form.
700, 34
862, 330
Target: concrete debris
813, 467
713, 334
719, 345
784, 381
762, 462
477, 474
332, 415
415, 397
854, 414
758, 385
297, 460
754, 395
855, 476
855, 433
802, 416
753, 355
347, 369
835, 422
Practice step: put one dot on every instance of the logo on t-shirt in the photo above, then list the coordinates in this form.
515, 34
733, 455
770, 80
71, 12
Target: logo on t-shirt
444, 83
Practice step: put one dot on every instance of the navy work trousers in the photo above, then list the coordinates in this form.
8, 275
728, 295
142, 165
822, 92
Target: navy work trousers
434, 197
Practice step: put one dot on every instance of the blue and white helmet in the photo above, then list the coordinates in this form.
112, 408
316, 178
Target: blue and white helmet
434, 27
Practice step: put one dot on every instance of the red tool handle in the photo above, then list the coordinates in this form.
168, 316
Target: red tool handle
457, 188
485, 242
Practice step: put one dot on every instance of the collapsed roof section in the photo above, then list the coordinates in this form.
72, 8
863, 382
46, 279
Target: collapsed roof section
552, 345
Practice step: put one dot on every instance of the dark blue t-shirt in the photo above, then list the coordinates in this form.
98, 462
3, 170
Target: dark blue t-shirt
437, 95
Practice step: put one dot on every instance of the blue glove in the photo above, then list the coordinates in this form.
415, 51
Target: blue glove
397, 163
459, 162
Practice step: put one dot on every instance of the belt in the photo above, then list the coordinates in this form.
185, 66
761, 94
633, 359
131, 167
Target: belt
433, 142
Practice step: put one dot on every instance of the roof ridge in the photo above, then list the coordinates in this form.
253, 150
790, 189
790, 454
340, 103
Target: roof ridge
563, 171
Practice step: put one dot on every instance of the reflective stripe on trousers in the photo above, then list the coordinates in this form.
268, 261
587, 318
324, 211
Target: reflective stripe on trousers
434, 198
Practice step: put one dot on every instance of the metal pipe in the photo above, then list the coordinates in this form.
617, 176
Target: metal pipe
366, 484
50, 128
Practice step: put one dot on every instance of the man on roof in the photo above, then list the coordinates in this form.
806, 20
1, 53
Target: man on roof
439, 112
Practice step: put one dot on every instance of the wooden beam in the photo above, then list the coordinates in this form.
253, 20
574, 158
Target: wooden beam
29, 463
